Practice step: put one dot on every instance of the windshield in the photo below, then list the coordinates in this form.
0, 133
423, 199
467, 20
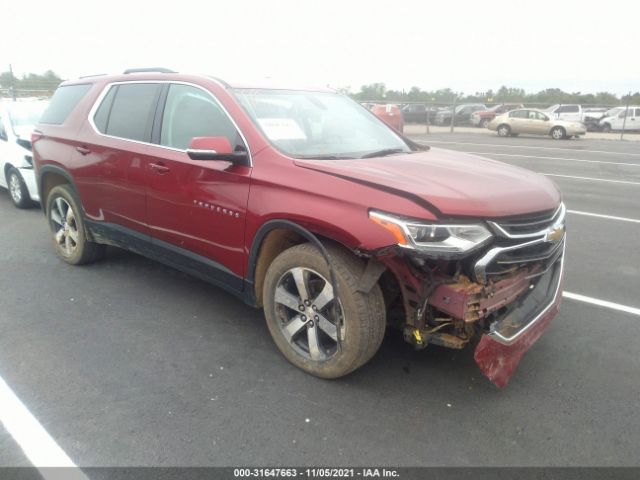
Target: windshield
26, 114
318, 125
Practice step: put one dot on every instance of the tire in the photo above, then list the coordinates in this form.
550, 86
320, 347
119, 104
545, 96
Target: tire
558, 133
67, 227
484, 123
606, 128
362, 315
18, 189
503, 130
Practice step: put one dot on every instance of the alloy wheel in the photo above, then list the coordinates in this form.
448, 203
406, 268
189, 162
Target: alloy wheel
15, 189
305, 312
64, 226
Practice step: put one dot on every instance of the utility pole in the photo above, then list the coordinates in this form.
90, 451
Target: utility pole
13, 84
626, 113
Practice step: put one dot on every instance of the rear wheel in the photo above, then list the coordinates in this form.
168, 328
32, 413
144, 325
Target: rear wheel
606, 128
67, 228
18, 189
504, 130
558, 133
325, 333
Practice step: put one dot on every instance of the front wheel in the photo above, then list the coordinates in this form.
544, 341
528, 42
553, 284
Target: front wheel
606, 128
558, 133
18, 189
67, 228
325, 333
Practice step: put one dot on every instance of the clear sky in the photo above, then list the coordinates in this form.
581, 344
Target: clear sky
470, 46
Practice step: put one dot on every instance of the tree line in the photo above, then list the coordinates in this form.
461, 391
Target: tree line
49, 80
28, 83
379, 92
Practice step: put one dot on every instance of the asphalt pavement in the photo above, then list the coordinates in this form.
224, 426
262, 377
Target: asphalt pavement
127, 362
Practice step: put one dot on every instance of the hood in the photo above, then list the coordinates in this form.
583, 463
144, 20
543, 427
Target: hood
454, 184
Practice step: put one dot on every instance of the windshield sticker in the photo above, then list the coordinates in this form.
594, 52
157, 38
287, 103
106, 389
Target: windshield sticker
282, 129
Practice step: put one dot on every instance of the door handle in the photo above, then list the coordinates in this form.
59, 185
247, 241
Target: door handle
159, 167
83, 150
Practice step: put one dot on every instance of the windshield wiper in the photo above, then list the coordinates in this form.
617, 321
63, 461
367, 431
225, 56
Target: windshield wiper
325, 157
384, 153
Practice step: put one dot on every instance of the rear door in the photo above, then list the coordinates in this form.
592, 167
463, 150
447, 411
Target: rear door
112, 154
633, 120
196, 206
517, 121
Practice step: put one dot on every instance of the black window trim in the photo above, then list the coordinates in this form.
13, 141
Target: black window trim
162, 97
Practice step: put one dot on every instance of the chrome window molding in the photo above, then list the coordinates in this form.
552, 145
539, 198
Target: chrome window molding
108, 87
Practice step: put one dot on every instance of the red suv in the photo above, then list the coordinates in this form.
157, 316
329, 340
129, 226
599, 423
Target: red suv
303, 203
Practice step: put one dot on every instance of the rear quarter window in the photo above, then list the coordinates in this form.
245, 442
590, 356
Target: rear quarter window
64, 100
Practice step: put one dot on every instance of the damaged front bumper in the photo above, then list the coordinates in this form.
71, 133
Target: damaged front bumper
503, 299
499, 351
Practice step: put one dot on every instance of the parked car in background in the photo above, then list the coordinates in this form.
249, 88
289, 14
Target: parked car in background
389, 114
462, 114
482, 118
303, 204
566, 111
535, 122
419, 113
591, 117
616, 121
16, 162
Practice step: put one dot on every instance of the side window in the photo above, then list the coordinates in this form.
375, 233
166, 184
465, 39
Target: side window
132, 111
101, 118
519, 114
191, 112
637, 112
568, 109
64, 100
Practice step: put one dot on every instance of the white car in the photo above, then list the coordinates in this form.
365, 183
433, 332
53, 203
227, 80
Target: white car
616, 121
16, 162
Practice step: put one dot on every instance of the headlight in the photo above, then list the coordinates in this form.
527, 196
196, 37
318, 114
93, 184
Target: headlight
436, 238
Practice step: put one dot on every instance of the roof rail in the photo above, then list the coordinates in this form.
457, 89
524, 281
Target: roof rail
93, 75
151, 69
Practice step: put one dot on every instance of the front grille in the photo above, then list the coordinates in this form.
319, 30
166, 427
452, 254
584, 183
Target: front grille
522, 241
527, 225
546, 253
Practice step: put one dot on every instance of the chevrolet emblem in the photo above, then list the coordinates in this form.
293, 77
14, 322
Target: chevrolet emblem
555, 235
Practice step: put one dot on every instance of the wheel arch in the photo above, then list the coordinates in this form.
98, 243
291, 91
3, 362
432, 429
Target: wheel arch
50, 176
271, 239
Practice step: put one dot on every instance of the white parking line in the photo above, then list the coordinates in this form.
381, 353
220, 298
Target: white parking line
427, 141
600, 215
38, 446
626, 182
553, 158
601, 303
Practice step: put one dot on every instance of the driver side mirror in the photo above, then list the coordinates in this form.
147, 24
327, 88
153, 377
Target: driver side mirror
215, 148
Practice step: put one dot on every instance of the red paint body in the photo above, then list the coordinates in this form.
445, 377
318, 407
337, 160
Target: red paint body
163, 194
498, 362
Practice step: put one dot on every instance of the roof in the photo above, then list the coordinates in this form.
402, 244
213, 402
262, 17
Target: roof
264, 83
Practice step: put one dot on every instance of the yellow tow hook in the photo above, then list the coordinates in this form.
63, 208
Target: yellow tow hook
418, 336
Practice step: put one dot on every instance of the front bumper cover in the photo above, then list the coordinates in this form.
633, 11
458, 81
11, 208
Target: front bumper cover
499, 352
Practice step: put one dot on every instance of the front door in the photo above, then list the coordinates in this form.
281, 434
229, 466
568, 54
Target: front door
196, 207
